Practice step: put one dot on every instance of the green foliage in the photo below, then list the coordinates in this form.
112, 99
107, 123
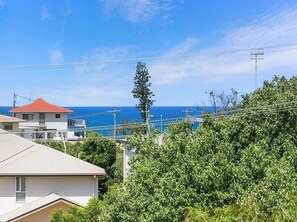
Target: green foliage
129, 128
92, 134
236, 168
240, 167
57, 216
72, 149
142, 90
100, 152
78, 214
246, 213
117, 168
222, 101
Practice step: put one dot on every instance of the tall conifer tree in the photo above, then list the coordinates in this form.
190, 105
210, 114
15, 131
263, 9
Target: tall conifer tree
142, 90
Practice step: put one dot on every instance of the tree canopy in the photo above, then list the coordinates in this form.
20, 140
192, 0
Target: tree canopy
238, 166
101, 152
128, 128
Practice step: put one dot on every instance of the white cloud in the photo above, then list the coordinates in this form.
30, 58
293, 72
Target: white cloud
87, 95
101, 84
138, 10
56, 55
96, 84
2, 4
274, 29
102, 71
44, 13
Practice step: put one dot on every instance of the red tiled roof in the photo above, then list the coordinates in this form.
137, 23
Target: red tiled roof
40, 106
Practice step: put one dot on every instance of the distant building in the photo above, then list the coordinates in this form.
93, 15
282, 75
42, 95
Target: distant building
36, 179
127, 155
10, 124
41, 116
130, 153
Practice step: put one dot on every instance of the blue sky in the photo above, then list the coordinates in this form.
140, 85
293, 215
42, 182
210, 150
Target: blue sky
45, 34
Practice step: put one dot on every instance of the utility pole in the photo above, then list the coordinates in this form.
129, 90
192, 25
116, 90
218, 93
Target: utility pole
161, 118
258, 55
15, 96
14, 100
63, 140
187, 111
115, 111
14, 103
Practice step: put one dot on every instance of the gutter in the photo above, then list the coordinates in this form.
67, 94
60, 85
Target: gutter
94, 186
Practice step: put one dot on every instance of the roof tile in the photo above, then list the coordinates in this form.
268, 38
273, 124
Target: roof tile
39, 106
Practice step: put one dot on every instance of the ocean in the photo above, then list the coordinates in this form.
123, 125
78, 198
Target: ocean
101, 117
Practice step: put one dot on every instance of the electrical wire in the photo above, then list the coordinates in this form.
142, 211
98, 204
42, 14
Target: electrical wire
146, 58
259, 110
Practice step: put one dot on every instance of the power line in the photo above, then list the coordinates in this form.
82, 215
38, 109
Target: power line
140, 58
236, 112
15, 96
89, 115
279, 50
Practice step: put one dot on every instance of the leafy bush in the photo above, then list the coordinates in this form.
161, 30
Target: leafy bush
78, 214
100, 152
236, 167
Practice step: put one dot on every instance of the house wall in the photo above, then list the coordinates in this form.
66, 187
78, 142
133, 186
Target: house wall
15, 127
76, 188
53, 123
44, 214
50, 121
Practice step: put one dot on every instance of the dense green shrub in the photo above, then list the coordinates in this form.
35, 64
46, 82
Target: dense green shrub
239, 166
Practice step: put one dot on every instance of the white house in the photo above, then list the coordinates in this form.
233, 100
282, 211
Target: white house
41, 116
35, 180
9, 123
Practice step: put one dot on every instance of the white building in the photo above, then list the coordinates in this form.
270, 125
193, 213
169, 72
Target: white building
41, 116
127, 155
35, 180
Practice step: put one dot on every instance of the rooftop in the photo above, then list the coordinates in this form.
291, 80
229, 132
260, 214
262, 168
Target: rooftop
35, 206
23, 157
9, 119
40, 106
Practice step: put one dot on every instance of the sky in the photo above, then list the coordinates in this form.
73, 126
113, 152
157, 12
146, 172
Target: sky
84, 52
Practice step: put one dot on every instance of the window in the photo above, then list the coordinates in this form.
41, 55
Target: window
27, 116
8, 126
58, 115
20, 189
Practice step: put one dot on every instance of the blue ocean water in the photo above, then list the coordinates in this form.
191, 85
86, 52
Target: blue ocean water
100, 117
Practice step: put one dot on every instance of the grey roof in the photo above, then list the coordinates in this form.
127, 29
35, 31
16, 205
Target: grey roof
23, 157
35, 205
